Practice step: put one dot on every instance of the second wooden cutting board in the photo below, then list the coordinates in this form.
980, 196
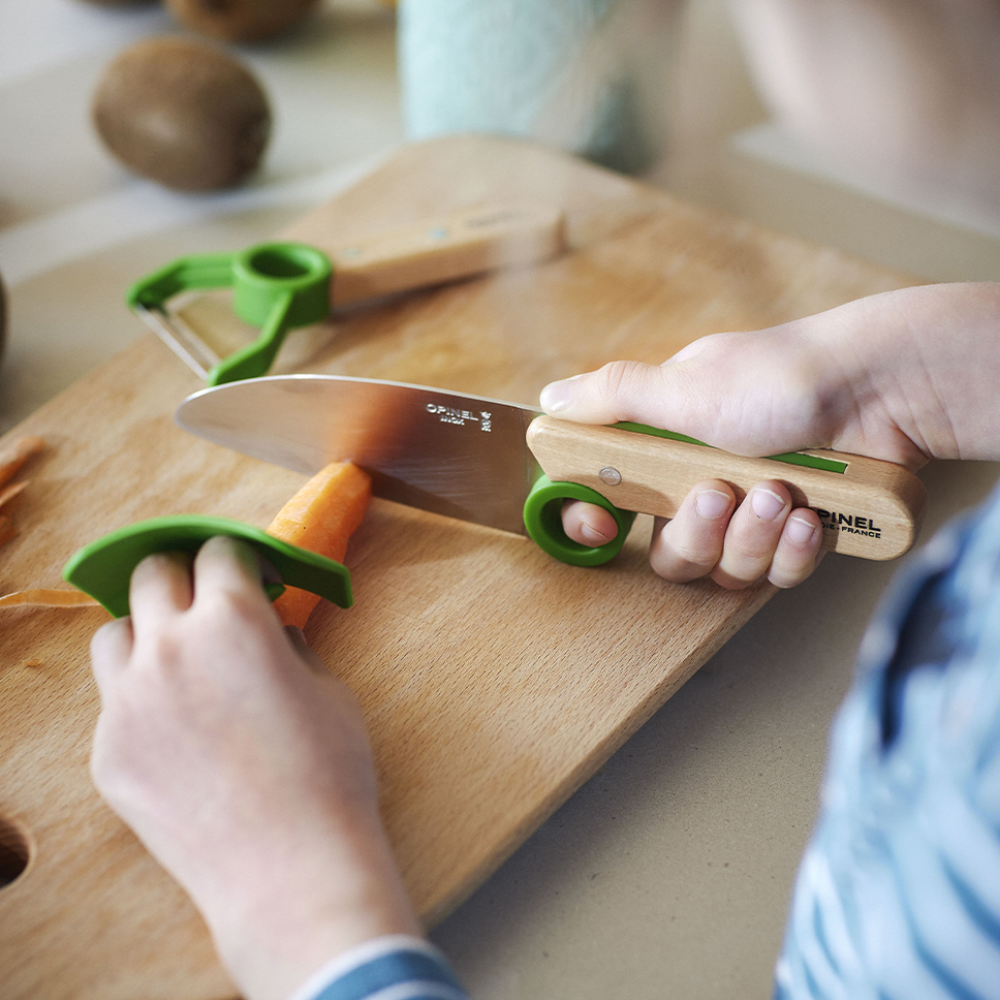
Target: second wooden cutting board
494, 679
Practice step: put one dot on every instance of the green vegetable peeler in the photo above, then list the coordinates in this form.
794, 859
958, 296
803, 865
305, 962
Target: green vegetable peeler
276, 286
280, 286
104, 568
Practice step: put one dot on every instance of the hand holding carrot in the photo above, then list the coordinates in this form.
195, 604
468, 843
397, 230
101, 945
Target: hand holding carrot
244, 768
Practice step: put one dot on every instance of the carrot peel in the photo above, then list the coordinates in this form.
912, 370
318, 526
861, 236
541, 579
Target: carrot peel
14, 456
44, 598
9, 492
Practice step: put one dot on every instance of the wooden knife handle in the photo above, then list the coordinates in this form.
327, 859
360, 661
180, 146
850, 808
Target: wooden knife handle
871, 509
457, 245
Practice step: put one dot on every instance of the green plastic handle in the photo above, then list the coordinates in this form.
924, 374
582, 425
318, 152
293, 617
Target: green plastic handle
788, 457
543, 521
276, 286
200, 271
104, 568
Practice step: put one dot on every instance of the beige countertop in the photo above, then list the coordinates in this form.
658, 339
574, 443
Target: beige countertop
668, 873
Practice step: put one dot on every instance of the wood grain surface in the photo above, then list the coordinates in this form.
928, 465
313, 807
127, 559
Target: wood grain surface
494, 679
455, 245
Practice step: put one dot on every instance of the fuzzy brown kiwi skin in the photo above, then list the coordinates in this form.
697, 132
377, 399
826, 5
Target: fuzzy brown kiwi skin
240, 20
182, 113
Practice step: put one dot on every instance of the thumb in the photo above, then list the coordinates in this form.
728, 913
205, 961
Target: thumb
622, 390
740, 392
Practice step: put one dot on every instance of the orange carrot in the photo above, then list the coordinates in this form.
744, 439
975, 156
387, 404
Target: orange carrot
321, 517
14, 456
9, 492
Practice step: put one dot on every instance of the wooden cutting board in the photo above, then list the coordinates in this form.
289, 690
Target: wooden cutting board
494, 679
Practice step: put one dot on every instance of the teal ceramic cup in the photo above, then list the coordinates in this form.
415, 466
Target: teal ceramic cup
586, 76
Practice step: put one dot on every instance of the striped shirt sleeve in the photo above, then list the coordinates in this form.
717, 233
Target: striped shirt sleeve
395, 967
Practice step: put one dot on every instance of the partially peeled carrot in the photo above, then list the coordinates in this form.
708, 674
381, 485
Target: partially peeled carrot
321, 517
11, 459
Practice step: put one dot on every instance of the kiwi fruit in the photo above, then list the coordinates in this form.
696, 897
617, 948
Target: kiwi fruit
240, 20
183, 113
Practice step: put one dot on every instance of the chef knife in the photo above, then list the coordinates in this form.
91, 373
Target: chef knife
507, 466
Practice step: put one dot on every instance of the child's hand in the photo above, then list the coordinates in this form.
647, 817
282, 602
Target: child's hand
244, 767
905, 376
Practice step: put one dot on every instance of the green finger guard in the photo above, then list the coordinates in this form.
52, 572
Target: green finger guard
543, 521
276, 286
104, 568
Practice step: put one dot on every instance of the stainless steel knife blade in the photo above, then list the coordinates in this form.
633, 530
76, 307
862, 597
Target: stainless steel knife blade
477, 459
461, 456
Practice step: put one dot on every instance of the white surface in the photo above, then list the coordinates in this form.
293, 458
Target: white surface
774, 144
38, 35
142, 208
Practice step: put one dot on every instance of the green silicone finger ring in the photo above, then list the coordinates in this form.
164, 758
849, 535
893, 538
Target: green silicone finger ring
104, 568
543, 521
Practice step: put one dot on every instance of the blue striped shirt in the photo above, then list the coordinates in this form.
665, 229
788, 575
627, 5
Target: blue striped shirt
898, 894
395, 967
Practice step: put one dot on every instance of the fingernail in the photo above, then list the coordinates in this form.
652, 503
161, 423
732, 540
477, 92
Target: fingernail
558, 396
765, 504
799, 530
711, 504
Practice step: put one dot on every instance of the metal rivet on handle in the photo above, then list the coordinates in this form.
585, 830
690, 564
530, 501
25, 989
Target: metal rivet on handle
609, 476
